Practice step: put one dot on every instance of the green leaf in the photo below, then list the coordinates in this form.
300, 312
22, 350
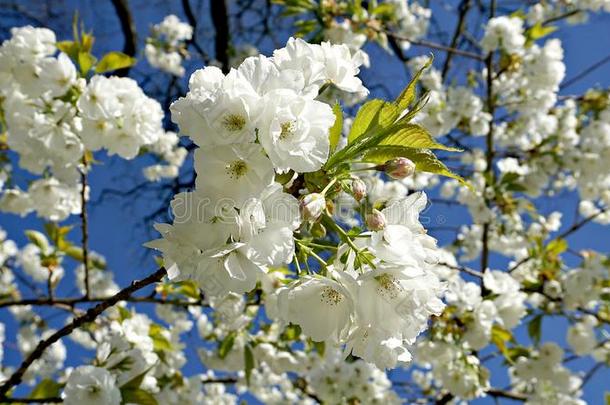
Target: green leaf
557, 247
538, 31
500, 334
249, 362
510, 177
86, 42
499, 337
519, 14
607, 398
337, 128
417, 107
513, 353
386, 10
425, 160
305, 27
160, 342
226, 345
57, 234
188, 288
113, 61
534, 328
98, 262
510, 182
414, 136
124, 313
86, 62
46, 388
407, 96
291, 332
38, 239
75, 252
320, 347
372, 116
70, 48
137, 396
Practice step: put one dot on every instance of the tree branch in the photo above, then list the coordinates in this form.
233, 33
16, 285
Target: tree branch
563, 235
84, 224
89, 316
72, 302
53, 400
585, 72
129, 31
489, 148
463, 12
506, 394
220, 19
192, 20
434, 45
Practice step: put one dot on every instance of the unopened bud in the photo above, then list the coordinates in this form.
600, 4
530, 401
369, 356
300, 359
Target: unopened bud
399, 168
552, 288
358, 189
312, 206
375, 220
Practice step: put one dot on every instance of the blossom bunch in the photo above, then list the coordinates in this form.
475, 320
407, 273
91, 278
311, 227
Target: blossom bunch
263, 120
57, 112
165, 48
236, 193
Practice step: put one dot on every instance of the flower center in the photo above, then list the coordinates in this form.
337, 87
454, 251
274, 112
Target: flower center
237, 169
330, 296
388, 286
234, 122
287, 129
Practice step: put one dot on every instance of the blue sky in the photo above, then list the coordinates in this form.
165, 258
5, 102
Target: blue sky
117, 229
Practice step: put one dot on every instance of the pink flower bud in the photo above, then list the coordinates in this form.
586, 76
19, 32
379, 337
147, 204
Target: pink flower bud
312, 206
399, 168
375, 220
358, 189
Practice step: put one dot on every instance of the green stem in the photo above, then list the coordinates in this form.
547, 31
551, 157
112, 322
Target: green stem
297, 264
311, 253
329, 185
345, 237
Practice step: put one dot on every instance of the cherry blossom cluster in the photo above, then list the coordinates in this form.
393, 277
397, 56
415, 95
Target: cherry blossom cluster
54, 116
270, 101
263, 119
165, 47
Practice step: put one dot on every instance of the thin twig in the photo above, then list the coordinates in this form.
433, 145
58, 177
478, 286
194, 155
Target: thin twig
585, 72
506, 394
461, 24
590, 374
463, 269
434, 45
551, 20
563, 235
52, 400
84, 224
50, 283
